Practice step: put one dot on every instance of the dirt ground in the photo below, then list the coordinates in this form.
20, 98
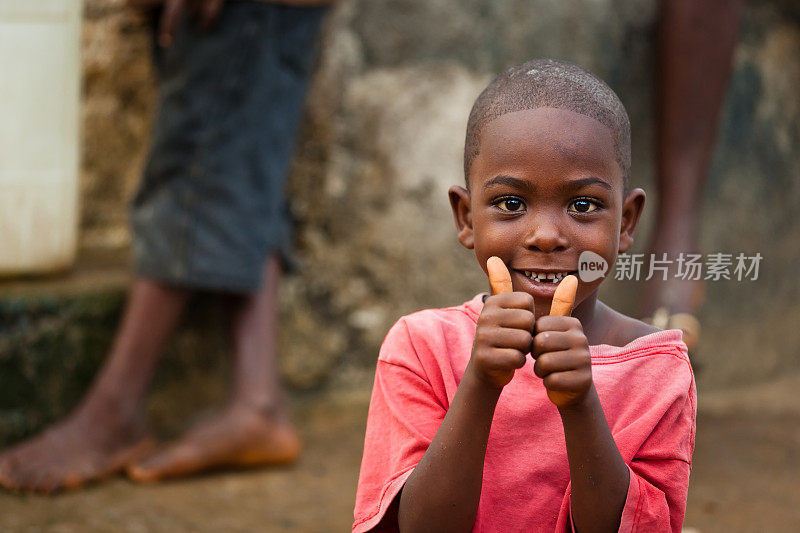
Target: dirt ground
745, 478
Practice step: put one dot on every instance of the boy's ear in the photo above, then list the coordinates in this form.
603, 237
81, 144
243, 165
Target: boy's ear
462, 212
632, 207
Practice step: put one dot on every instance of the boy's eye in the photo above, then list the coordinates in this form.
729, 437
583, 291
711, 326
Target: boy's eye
583, 205
510, 204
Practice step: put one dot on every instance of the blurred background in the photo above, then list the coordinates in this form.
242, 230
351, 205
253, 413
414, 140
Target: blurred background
381, 141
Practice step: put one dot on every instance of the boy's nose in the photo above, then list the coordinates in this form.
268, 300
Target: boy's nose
545, 236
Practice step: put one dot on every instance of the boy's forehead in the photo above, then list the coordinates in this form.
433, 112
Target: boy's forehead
555, 138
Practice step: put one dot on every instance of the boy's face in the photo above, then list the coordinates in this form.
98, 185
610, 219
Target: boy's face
545, 187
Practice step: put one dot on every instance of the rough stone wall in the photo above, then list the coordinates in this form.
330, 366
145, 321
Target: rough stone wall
382, 142
118, 100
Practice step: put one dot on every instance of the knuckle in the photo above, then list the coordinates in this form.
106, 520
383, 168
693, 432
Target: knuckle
484, 336
491, 317
583, 358
515, 359
520, 300
541, 367
546, 360
575, 337
545, 322
522, 339
540, 342
527, 299
490, 314
553, 381
522, 319
509, 298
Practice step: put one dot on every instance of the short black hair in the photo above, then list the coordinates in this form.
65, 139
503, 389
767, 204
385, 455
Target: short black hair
550, 83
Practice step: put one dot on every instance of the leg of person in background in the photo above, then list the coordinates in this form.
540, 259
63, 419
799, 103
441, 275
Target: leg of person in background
696, 43
254, 429
107, 430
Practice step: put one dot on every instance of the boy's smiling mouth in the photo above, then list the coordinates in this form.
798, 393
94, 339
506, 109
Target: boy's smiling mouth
541, 276
540, 283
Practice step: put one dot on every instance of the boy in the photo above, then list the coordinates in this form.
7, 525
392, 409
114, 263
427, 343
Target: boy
595, 431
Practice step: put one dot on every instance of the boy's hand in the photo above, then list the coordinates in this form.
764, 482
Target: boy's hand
504, 333
503, 338
562, 351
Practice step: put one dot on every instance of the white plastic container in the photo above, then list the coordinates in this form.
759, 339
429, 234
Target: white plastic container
39, 134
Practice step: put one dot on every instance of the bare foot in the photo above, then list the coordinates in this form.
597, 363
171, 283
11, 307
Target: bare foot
239, 436
84, 447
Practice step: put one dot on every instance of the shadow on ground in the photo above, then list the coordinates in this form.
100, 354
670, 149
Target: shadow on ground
746, 467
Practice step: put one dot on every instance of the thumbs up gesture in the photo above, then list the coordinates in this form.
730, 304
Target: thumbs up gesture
561, 349
505, 330
505, 335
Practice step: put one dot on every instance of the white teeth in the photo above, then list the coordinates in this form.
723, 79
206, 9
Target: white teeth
543, 277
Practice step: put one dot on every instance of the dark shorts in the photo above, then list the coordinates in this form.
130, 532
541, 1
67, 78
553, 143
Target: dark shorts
211, 206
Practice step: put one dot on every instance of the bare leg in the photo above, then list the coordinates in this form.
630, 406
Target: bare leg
254, 428
696, 43
107, 429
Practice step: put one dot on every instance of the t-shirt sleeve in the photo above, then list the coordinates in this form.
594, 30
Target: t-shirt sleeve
659, 470
404, 415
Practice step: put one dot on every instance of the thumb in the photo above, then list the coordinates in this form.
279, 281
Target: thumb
499, 277
564, 297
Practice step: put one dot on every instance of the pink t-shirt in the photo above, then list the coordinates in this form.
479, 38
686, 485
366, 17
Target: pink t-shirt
646, 388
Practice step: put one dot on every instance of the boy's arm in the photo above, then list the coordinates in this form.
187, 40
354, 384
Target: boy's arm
597, 471
598, 474
607, 494
443, 492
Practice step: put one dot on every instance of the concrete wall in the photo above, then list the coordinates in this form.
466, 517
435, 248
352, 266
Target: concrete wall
382, 142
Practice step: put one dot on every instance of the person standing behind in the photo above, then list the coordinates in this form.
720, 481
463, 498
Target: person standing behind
210, 215
696, 42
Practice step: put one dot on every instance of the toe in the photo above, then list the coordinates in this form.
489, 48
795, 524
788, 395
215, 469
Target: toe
139, 471
42, 479
177, 460
50, 484
149, 468
16, 476
80, 472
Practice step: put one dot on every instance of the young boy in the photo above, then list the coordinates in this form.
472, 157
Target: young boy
594, 431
